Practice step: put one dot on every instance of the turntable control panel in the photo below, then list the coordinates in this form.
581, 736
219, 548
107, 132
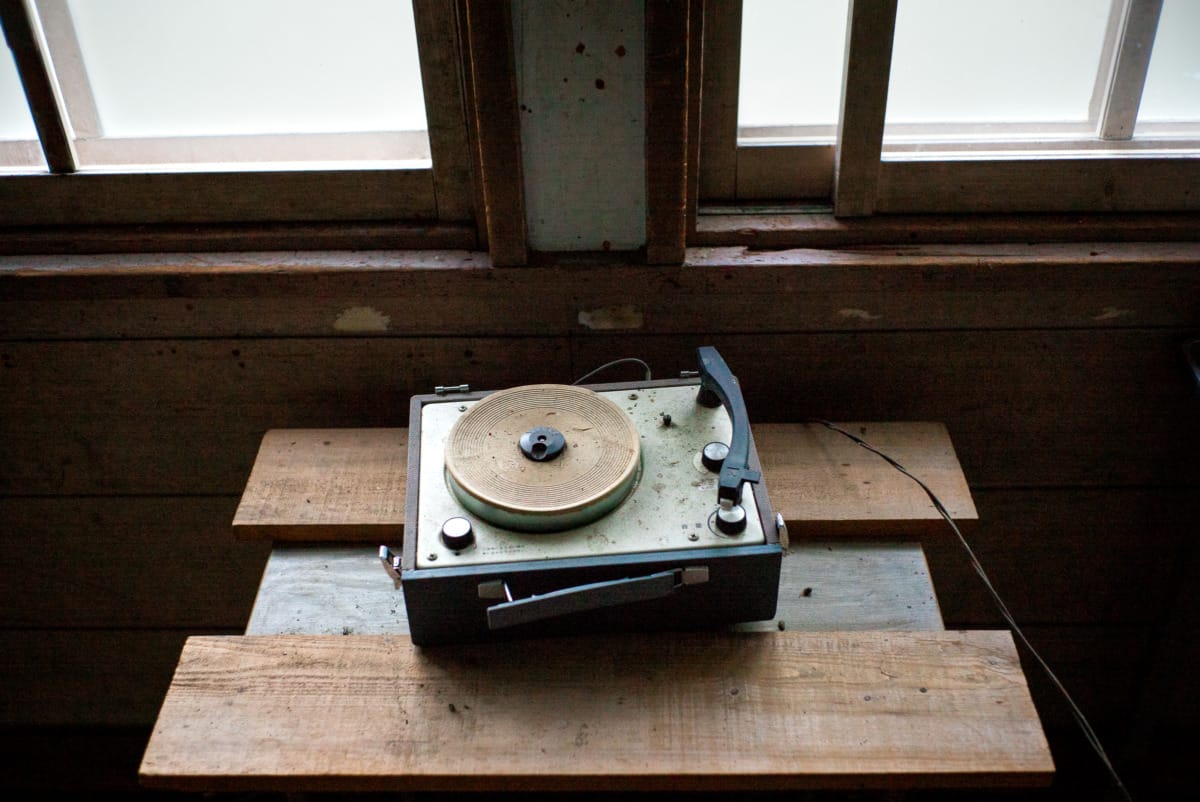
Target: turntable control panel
659, 476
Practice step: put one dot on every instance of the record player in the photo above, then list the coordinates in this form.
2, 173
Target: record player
550, 508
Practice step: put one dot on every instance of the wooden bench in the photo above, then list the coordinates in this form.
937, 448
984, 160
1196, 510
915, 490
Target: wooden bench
854, 684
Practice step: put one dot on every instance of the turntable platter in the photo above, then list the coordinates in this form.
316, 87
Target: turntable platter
542, 457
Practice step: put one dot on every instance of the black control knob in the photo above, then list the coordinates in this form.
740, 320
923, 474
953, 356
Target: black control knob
731, 520
713, 456
457, 533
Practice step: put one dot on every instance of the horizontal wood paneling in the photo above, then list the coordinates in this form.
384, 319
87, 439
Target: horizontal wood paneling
186, 416
1067, 555
1023, 407
216, 197
126, 562
790, 226
457, 293
106, 677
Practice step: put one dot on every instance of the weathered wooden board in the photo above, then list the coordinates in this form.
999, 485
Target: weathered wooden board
459, 293
88, 677
701, 712
337, 589
326, 484
125, 562
1069, 555
331, 484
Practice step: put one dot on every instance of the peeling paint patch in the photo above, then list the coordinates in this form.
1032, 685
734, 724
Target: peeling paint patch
1112, 313
361, 318
858, 314
626, 316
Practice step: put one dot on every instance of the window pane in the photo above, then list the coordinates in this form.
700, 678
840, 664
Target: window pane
1172, 92
986, 61
250, 67
791, 70
18, 136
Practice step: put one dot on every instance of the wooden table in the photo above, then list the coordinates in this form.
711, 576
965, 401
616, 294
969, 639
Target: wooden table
854, 684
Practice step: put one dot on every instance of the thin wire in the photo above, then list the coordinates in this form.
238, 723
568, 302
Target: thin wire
608, 365
1084, 725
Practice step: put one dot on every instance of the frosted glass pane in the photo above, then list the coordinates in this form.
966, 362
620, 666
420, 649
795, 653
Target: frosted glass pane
214, 67
1172, 92
987, 61
15, 120
791, 70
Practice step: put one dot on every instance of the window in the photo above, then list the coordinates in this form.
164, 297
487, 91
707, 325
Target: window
232, 111
967, 106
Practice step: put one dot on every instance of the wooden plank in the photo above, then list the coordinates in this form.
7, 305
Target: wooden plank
682, 712
88, 677
786, 172
1094, 408
441, 64
340, 589
779, 228
1051, 407
233, 237
865, 73
40, 86
497, 128
125, 562
666, 130
216, 197
187, 416
331, 484
326, 484
1079, 556
1139, 183
718, 133
695, 70
384, 294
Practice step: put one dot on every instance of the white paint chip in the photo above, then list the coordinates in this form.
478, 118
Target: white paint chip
1112, 313
360, 319
858, 314
626, 316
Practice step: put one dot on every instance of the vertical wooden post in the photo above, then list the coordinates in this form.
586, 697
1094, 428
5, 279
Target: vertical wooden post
41, 90
666, 130
695, 70
721, 54
868, 64
497, 128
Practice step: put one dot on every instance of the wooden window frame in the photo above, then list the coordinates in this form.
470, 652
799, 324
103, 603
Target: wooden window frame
210, 180
860, 174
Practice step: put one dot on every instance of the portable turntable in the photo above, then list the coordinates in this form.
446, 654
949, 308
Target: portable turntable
559, 508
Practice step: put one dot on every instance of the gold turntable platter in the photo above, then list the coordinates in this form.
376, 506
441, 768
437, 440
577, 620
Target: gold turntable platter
542, 457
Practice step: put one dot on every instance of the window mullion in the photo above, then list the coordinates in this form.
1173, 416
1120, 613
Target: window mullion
436, 27
869, 33
1119, 113
721, 71
41, 90
62, 46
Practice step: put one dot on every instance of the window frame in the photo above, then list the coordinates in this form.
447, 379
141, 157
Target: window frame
220, 189
861, 173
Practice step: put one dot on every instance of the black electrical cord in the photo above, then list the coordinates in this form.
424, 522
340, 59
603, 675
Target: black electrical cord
1084, 725
615, 362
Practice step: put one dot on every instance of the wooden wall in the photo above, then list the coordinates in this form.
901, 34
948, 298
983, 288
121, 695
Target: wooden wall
134, 391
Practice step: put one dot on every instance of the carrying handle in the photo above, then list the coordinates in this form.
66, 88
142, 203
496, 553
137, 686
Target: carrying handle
717, 385
588, 597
